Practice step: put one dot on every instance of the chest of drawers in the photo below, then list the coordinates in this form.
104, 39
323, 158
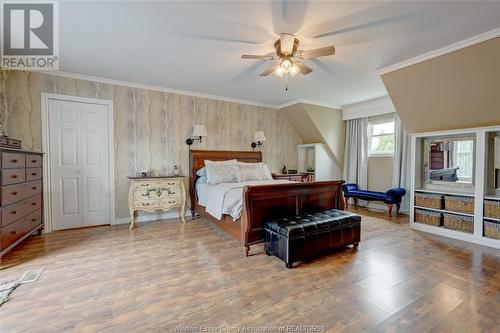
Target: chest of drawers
157, 193
20, 197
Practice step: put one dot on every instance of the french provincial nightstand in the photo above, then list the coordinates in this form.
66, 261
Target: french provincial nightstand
156, 193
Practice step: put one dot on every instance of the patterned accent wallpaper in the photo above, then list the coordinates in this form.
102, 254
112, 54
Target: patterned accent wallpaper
150, 127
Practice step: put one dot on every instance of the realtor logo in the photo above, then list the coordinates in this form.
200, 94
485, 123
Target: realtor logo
29, 35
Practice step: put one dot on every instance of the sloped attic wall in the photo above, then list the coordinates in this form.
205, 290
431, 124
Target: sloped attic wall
318, 124
457, 90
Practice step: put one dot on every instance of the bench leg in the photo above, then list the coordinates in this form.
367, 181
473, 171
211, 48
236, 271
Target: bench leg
355, 245
389, 206
247, 250
398, 206
289, 265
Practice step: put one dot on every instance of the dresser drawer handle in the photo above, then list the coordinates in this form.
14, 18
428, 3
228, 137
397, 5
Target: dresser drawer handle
171, 201
14, 193
14, 161
13, 232
14, 212
34, 173
34, 188
171, 183
145, 204
34, 161
33, 220
33, 203
15, 176
144, 184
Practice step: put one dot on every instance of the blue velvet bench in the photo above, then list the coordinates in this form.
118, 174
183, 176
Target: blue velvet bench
390, 198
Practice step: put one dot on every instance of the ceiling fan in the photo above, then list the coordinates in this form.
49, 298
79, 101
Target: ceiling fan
290, 57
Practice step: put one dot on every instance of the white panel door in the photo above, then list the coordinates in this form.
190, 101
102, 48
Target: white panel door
79, 164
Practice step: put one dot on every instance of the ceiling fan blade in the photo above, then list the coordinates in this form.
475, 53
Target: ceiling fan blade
269, 70
259, 57
321, 52
304, 69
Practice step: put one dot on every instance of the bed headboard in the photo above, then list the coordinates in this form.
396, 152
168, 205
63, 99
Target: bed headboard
197, 161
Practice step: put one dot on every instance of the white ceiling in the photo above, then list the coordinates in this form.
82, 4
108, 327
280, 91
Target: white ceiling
196, 46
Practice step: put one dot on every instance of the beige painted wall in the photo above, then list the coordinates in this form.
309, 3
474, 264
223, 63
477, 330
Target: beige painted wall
331, 127
150, 127
380, 171
317, 124
456, 90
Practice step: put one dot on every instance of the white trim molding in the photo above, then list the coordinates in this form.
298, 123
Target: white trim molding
441, 51
307, 101
47, 195
368, 108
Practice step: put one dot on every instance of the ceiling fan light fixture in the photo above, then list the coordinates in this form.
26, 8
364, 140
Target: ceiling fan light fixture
280, 71
294, 70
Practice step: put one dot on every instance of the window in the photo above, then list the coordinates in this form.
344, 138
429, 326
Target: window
463, 159
381, 137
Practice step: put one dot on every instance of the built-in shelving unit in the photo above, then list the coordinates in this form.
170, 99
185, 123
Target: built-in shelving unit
466, 209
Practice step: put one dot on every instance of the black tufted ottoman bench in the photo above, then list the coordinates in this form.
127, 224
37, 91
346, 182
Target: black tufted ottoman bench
300, 237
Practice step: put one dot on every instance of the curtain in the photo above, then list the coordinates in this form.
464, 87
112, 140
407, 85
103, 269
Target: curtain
402, 160
356, 152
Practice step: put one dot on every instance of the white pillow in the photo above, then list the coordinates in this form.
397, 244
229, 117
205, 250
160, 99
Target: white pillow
202, 172
247, 173
222, 171
261, 168
202, 180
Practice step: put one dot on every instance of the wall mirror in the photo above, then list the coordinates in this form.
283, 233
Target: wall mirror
449, 160
492, 176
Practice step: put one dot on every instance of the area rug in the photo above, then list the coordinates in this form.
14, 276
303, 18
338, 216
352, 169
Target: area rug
7, 287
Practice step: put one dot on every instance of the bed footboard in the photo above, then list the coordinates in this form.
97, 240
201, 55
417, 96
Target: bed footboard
267, 201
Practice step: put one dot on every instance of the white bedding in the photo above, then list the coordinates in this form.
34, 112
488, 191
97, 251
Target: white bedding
227, 198
203, 191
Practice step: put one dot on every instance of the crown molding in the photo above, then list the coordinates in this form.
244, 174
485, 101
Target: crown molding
368, 108
184, 92
154, 88
442, 51
307, 101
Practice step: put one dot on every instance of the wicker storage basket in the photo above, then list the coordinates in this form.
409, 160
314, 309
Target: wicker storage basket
492, 229
459, 223
492, 208
460, 204
428, 217
430, 200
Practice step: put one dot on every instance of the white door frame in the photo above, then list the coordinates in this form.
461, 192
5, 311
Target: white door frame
47, 195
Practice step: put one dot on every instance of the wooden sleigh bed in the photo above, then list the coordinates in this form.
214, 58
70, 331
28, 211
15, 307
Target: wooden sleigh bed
264, 201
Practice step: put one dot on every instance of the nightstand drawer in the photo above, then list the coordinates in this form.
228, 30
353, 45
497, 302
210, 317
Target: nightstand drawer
147, 204
157, 193
171, 202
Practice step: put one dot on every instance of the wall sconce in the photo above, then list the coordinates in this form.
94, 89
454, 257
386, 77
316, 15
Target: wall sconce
199, 131
258, 139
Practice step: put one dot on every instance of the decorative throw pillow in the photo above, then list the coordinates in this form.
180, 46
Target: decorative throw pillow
263, 172
261, 169
247, 173
221, 172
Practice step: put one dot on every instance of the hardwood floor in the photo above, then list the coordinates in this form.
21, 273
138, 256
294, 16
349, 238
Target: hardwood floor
163, 274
